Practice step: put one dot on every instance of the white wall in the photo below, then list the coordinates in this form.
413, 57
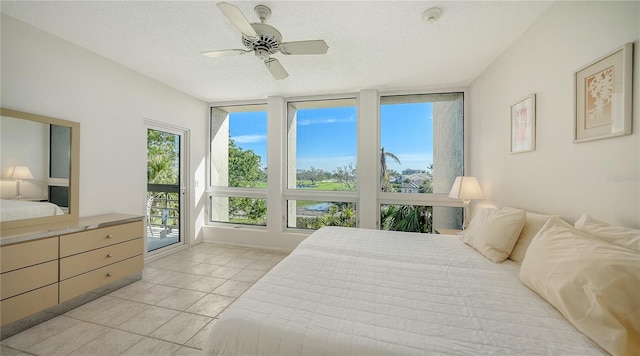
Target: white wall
46, 75
602, 177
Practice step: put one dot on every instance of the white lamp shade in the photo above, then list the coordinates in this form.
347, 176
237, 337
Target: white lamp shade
466, 188
21, 172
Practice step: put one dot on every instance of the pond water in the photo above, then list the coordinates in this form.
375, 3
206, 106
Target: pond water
318, 207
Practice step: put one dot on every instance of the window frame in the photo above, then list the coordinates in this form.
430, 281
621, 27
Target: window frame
346, 196
367, 196
418, 199
232, 192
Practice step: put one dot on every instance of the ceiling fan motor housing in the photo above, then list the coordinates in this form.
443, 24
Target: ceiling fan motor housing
267, 42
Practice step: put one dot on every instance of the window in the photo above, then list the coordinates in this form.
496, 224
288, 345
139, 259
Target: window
421, 154
418, 218
313, 214
238, 165
328, 168
321, 163
239, 210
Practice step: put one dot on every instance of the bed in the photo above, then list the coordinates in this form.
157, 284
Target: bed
21, 209
352, 291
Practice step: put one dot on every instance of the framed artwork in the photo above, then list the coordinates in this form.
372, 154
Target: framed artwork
523, 125
602, 96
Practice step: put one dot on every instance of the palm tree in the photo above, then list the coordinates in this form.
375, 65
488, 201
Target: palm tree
160, 169
406, 218
384, 174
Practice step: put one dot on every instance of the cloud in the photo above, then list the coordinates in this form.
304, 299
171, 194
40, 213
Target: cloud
249, 138
324, 120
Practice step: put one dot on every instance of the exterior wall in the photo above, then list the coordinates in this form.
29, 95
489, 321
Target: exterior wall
601, 178
219, 209
447, 121
291, 166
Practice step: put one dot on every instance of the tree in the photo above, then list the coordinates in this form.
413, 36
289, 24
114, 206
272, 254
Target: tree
384, 172
342, 214
427, 185
161, 170
407, 218
392, 173
245, 171
244, 167
161, 158
346, 175
339, 214
313, 175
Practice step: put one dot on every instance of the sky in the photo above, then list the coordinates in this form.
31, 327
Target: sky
326, 137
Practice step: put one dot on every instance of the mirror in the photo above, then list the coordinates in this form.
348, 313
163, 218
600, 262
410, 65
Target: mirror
39, 167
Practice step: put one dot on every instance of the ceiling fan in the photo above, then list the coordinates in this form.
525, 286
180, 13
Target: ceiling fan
264, 40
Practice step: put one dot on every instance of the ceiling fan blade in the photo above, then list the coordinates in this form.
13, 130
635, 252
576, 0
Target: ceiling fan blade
224, 53
276, 69
304, 47
237, 19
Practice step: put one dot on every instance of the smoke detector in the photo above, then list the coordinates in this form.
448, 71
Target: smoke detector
431, 15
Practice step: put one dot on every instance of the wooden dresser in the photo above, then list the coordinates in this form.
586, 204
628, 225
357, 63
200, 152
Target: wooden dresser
48, 270
29, 279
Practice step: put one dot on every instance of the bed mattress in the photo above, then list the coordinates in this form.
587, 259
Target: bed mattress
346, 291
20, 209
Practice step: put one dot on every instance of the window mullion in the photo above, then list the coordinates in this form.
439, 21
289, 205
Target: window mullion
237, 192
291, 194
418, 199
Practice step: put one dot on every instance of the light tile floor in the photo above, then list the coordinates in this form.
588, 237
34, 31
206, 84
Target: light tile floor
169, 312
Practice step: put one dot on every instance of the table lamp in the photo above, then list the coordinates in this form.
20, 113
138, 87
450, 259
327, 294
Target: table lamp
20, 173
465, 189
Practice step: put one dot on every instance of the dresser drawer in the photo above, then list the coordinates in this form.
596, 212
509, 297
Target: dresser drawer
92, 239
86, 282
23, 305
26, 279
25, 254
84, 262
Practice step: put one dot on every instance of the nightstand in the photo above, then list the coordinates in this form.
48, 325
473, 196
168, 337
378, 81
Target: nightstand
449, 231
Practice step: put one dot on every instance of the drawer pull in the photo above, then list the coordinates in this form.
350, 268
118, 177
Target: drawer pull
109, 236
110, 255
109, 274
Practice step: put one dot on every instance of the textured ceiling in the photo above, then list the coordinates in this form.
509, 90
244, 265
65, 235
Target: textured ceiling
382, 45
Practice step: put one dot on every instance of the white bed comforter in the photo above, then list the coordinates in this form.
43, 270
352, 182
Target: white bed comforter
20, 209
346, 291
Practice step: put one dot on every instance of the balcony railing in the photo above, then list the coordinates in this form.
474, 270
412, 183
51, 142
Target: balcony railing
163, 206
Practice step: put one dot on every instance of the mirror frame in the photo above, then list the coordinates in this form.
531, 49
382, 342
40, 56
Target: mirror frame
74, 175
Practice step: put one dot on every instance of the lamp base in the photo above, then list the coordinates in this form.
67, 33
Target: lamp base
18, 195
465, 222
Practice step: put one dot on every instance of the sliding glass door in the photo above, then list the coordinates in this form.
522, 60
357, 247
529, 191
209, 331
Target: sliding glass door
165, 188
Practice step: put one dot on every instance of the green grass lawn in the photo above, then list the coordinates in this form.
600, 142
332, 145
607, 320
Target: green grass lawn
323, 185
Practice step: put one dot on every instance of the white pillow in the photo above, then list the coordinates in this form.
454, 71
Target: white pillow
593, 283
621, 236
532, 225
494, 233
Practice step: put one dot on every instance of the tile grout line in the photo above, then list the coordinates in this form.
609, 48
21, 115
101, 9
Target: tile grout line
184, 258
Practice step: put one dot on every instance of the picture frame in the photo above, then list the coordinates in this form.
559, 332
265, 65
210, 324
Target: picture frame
523, 125
602, 96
